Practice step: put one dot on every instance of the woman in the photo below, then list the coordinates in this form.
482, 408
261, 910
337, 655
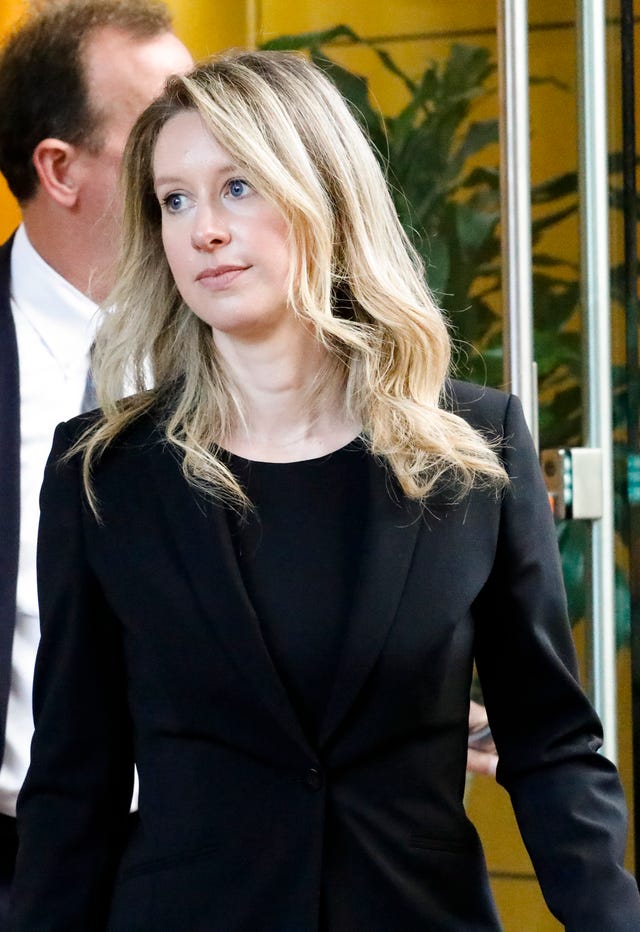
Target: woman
266, 579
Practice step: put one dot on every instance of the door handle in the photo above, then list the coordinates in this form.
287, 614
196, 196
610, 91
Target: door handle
573, 476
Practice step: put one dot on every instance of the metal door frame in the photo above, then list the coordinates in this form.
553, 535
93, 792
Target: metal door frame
518, 317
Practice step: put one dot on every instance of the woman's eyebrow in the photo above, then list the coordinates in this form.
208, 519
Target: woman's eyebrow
231, 168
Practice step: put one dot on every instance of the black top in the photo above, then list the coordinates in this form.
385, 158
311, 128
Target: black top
149, 651
298, 552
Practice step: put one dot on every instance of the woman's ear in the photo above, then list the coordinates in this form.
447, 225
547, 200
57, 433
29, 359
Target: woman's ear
54, 162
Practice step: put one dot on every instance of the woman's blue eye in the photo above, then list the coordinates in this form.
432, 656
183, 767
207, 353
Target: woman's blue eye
174, 202
238, 188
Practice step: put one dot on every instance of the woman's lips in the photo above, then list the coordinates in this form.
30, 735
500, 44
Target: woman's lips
220, 277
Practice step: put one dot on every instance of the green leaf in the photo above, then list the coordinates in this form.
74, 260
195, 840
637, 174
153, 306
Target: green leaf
547, 261
623, 608
466, 71
479, 135
565, 185
472, 323
311, 40
474, 228
394, 69
438, 264
555, 301
540, 224
355, 88
482, 176
553, 350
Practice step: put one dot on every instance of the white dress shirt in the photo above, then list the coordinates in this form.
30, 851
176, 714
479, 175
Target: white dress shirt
55, 325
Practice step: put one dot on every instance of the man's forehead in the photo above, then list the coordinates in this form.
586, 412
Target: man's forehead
123, 70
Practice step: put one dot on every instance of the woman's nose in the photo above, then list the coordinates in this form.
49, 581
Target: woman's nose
210, 231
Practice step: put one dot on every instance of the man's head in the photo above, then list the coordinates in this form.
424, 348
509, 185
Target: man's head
74, 76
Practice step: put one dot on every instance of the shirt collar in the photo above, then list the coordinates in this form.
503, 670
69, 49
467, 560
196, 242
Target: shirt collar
63, 316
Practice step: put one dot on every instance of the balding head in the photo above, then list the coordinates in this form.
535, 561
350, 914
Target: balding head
74, 77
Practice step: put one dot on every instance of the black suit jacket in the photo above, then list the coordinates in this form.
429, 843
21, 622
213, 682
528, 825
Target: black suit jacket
151, 651
9, 481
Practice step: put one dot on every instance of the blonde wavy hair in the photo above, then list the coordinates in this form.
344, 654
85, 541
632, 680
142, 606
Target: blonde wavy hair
355, 278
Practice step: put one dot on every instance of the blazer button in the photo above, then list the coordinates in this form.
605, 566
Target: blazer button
313, 779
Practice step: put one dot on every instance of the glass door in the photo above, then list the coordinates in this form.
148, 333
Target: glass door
584, 319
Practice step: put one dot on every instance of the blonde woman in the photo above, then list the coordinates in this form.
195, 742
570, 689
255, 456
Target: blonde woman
266, 575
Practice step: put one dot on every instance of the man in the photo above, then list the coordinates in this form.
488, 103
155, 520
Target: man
73, 78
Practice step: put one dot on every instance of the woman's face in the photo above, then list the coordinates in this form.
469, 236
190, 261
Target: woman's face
227, 246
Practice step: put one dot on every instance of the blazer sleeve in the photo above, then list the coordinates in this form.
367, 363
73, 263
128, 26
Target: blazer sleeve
73, 807
567, 797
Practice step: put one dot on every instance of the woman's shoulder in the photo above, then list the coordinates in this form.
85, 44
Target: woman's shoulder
482, 407
143, 428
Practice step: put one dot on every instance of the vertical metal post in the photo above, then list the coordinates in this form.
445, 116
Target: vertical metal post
592, 82
519, 371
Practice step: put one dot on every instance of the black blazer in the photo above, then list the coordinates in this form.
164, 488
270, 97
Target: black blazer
9, 480
151, 651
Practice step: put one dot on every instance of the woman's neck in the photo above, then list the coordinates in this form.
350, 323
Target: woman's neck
293, 401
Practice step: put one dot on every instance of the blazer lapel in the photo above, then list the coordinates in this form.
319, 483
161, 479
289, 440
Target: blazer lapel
390, 537
204, 541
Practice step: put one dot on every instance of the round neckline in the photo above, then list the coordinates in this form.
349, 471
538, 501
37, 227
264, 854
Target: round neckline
354, 444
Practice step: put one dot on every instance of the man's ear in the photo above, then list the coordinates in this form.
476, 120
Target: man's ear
55, 162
